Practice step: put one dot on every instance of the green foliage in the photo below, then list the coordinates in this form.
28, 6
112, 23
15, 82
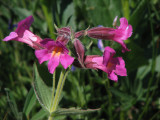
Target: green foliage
39, 115
42, 91
13, 106
103, 12
29, 103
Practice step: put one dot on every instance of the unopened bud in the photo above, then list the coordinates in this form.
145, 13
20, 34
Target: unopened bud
79, 51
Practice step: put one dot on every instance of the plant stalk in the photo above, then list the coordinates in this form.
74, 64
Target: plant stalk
59, 89
53, 89
50, 118
107, 85
152, 68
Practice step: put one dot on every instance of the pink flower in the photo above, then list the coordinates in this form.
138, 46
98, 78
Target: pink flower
54, 52
112, 66
123, 32
23, 34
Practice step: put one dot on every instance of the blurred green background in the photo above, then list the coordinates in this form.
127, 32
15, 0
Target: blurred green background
135, 97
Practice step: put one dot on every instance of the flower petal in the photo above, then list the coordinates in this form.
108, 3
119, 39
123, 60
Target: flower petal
113, 76
66, 60
53, 63
129, 29
108, 54
97, 62
120, 69
42, 55
24, 25
12, 36
27, 38
124, 47
65, 50
123, 23
50, 44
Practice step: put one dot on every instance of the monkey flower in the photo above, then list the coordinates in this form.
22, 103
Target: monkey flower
23, 34
112, 66
54, 52
123, 32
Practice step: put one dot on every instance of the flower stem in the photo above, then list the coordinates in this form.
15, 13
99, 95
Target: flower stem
60, 85
50, 118
107, 85
53, 89
148, 97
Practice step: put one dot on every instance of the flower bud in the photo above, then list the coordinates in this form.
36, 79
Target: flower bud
63, 39
80, 51
64, 31
79, 34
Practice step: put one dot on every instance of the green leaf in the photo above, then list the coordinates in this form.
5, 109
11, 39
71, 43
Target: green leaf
39, 115
136, 54
60, 118
138, 13
29, 103
68, 17
38, 23
126, 99
72, 111
13, 105
42, 91
157, 64
22, 12
144, 70
103, 12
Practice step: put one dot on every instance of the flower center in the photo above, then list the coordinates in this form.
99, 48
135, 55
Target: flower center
110, 65
56, 51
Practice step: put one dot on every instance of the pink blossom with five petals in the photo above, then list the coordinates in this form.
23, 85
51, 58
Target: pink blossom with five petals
112, 66
54, 52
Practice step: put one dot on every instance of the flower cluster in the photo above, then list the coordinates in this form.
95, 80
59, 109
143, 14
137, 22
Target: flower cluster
56, 51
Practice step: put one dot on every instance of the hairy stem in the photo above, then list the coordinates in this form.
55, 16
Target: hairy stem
59, 89
53, 90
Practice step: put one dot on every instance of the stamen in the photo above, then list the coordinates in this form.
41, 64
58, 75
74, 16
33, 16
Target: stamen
57, 51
